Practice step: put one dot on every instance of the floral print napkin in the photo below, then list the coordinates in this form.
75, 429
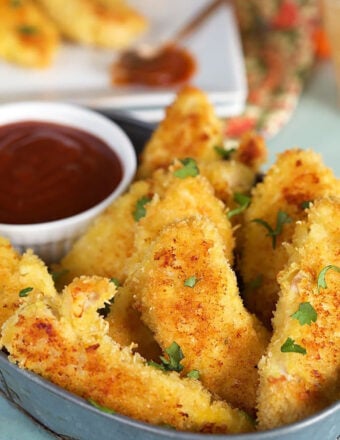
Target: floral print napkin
279, 43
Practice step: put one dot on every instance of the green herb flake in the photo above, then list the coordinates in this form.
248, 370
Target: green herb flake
306, 204
15, 3
140, 210
27, 29
175, 355
100, 407
172, 362
225, 154
243, 201
57, 274
191, 281
289, 346
115, 281
24, 292
189, 169
305, 314
282, 218
194, 374
255, 283
322, 276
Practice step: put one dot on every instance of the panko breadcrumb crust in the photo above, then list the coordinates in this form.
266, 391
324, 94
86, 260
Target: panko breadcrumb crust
292, 385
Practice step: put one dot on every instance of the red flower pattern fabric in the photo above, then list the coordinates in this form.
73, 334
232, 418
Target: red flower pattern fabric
279, 48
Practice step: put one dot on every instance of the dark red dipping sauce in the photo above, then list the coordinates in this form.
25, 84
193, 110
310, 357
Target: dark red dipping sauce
170, 66
50, 171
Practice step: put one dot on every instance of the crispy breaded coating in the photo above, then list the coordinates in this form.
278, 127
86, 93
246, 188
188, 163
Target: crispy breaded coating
105, 247
207, 318
27, 36
227, 178
17, 273
298, 176
114, 25
127, 328
182, 198
175, 199
252, 151
295, 385
85, 360
190, 129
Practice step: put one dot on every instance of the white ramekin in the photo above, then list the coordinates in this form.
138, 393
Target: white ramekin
51, 240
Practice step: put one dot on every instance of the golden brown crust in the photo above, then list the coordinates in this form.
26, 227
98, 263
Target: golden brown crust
189, 129
298, 176
83, 359
17, 273
208, 320
108, 24
27, 36
294, 386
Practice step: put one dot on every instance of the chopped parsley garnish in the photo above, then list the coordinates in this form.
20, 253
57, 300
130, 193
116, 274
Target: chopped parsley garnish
27, 29
243, 201
281, 219
306, 204
290, 347
225, 154
15, 3
172, 362
115, 281
305, 314
57, 274
100, 407
194, 374
140, 210
191, 281
189, 169
322, 276
24, 292
255, 283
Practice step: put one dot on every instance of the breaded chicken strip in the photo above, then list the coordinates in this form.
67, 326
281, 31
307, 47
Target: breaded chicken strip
27, 36
20, 276
175, 199
300, 373
297, 177
182, 198
69, 345
190, 129
105, 247
187, 293
92, 22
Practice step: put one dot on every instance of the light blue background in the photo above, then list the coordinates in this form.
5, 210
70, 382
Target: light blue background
315, 124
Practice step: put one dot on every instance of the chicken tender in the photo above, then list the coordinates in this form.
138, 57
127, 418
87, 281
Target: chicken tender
27, 36
20, 276
92, 22
105, 247
189, 129
83, 359
300, 373
187, 293
182, 198
297, 177
175, 199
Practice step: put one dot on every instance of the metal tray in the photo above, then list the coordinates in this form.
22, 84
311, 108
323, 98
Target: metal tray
74, 418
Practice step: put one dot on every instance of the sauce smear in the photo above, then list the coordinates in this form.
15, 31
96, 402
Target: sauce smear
170, 66
50, 171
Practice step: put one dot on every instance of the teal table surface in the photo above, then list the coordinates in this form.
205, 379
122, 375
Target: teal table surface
315, 124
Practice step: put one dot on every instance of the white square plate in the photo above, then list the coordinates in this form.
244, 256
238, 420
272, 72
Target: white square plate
82, 75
